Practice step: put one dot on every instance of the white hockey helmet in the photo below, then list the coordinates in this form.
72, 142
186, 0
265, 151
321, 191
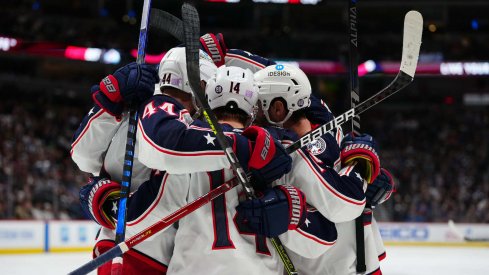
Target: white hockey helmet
173, 69
283, 81
232, 87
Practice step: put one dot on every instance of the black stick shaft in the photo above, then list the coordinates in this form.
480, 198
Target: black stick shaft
355, 122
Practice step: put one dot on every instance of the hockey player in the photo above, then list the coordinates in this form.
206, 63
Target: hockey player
228, 236
98, 148
284, 103
96, 133
317, 114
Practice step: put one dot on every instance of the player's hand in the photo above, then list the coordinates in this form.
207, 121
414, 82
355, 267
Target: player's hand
132, 82
97, 200
361, 151
281, 208
269, 160
215, 47
381, 189
318, 112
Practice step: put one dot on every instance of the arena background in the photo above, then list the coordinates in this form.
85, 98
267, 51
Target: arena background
433, 135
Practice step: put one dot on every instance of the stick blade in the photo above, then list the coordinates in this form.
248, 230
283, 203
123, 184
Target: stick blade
413, 31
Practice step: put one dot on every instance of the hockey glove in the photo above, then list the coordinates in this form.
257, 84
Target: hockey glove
215, 47
362, 151
280, 209
269, 160
131, 82
318, 112
381, 189
99, 200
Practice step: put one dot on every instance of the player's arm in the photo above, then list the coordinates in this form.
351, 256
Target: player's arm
215, 46
339, 196
247, 60
95, 133
313, 238
92, 138
167, 142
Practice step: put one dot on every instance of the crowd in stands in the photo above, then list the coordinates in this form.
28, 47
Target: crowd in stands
439, 155
274, 32
38, 180
439, 158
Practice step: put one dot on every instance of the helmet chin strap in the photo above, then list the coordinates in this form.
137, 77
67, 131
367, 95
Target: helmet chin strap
278, 123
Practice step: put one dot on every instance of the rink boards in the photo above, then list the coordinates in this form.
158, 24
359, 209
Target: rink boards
71, 236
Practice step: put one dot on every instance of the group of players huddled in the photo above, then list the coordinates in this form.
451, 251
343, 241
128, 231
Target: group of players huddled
309, 199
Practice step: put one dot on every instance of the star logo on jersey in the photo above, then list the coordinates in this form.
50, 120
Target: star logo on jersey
91, 111
114, 207
209, 139
307, 222
358, 176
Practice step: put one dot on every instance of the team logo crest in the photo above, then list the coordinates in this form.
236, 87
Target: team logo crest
317, 146
218, 89
300, 102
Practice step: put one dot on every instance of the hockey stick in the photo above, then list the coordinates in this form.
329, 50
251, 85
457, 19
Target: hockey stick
120, 231
413, 29
165, 22
411, 45
355, 122
191, 31
456, 231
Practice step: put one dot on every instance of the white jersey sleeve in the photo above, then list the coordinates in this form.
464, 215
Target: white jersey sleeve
338, 196
314, 238
246, 60
92, 138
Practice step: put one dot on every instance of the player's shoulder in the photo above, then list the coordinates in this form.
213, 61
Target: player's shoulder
282, 134
247, 60
160, 105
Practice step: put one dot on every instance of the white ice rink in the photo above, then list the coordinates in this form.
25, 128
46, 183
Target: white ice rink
400, 261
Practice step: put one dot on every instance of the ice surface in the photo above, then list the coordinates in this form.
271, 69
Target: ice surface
400, 261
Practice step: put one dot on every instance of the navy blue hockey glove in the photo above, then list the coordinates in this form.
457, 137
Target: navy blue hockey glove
130, 82
381, 189
268, 161
362, 150
99, 200
280, 209
215, 47
318, 112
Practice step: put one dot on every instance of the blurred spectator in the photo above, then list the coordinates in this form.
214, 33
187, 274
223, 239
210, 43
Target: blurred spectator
440, 157
37, 177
